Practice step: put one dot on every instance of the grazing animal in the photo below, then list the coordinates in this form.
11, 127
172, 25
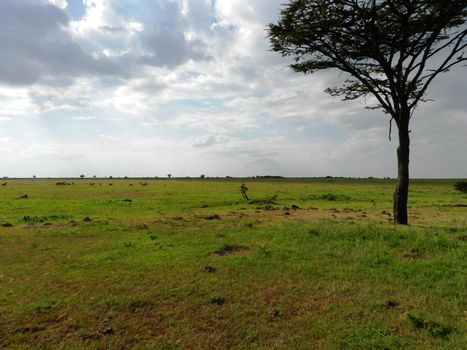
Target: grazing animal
91, 184
4, 184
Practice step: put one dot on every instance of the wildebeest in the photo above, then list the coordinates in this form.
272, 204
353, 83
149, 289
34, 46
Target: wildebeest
63, 183
4, 184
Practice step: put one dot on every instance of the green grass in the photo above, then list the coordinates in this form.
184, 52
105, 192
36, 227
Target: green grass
190, 264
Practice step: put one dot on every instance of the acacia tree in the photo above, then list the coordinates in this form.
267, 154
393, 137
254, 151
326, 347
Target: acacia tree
390, 49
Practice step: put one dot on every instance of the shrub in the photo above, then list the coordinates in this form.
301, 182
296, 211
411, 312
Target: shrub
461, 186
214, 299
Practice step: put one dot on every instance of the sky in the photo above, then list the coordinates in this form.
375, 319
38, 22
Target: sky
191, 87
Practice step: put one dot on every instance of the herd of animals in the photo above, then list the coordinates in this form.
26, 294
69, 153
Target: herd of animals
65, 183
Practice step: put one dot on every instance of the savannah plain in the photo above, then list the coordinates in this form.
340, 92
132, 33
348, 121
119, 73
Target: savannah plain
190, 264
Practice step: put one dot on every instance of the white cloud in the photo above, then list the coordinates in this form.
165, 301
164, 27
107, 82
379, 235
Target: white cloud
191, 82
84, 117
98, 16
59, 3
208, 140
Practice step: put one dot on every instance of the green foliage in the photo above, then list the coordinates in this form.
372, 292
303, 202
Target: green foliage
461, 186
391, 50
215, 299
388, 48
45, 305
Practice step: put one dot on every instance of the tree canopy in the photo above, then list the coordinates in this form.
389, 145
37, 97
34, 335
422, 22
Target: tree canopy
391, 49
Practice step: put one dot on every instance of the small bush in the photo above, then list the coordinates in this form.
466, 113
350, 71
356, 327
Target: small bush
214, 299
45, 305
461, 186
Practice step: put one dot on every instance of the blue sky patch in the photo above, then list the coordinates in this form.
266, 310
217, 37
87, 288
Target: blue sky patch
76, 9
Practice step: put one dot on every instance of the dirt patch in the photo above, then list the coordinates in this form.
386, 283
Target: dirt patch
262, 202
328, 197
415, 253
391, 304
32, 329
230, 249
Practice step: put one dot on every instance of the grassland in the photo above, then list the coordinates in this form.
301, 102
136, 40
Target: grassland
190, 264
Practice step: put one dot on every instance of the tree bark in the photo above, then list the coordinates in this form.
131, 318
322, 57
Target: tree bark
401, 192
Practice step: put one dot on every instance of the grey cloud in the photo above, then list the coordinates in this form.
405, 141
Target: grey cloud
248, 72
43, 100
35, 45
165, 43
200, 15
171, 50
149, 87
167, 48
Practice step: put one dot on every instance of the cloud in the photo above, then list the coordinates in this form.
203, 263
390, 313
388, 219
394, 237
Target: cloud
40, 43
84, 117
59, 3
208, 140
36, 45
14, 102
193, 85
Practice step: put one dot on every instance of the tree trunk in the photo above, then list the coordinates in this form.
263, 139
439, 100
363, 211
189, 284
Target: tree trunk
402, 188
